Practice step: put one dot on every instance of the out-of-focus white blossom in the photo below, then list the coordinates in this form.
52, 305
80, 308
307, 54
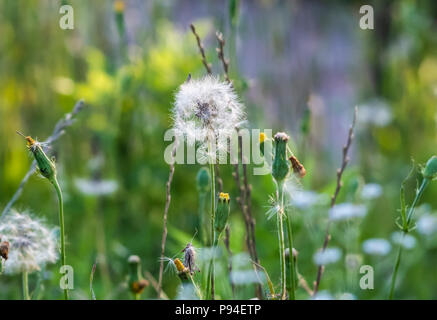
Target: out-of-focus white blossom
327, 256
407, 240
376, 112
376, 246
243, 277
347, 296
353, 261
95, 187
207, 111
305, 199
345, 211
323, 295
371, 191
32, 243
427, 224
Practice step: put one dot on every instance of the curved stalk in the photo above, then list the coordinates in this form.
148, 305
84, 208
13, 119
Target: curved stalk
61, 223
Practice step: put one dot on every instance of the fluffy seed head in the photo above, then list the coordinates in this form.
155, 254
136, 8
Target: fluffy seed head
32, 244
207, 110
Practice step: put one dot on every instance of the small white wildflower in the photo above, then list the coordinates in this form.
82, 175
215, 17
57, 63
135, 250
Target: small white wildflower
347, 296
242, 277
207, 111
305, 199
329, 255
323, 295
407, 240
32, 243
95, 187
353, 261
427, 224
345, 211
241, 260
376, 246
371, 191
187, 292
376, 112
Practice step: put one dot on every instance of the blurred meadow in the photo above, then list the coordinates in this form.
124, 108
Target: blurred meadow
298, 66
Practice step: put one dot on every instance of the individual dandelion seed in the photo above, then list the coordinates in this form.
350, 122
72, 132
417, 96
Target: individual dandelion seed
32, 244
207, 111
190, 258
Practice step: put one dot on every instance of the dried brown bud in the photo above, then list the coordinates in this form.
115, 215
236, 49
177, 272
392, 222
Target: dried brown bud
298, 168
4, 249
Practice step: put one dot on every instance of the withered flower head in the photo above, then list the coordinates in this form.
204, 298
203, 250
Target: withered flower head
4, 249
298, 168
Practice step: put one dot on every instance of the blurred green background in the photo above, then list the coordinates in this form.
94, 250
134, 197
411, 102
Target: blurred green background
299, 67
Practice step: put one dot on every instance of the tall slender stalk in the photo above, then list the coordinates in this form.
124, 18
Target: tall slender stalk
26, 286
292, 275
213, 242
340, 171
61, 224
280, 218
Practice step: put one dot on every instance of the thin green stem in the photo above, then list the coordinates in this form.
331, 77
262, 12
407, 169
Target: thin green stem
26, 286
202, 228
291, 292
396, 268
422, 188
419, 193
212, 271
280, 197
61, 223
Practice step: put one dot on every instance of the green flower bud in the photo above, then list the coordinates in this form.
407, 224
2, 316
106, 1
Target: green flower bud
281, 165
46, 166
430, 170
222, 213
136, 281
262, 138
203, 180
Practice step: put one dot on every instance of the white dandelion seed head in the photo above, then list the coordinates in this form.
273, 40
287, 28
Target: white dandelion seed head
207, 110
427, 224
32, 243
371, 191
407, 240
327, 256
376, 246
346, 211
